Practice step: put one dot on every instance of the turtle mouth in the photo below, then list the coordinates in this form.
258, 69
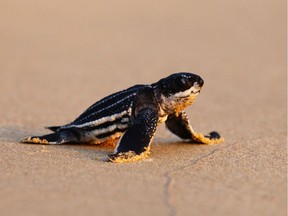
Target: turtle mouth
189, 95
192, 92
195, 92
196, 88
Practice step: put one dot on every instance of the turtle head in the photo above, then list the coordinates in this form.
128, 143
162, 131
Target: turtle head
178, 91
180, 85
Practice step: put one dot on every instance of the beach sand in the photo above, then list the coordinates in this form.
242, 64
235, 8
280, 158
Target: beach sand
57, 58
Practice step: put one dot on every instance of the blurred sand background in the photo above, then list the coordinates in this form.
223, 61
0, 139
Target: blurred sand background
59, 57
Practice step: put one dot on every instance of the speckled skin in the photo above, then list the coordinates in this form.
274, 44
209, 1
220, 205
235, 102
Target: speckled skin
133, 115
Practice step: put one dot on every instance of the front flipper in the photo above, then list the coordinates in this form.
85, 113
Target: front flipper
134, 144
179, 125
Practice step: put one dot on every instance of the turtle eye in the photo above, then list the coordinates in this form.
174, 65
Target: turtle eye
183, 83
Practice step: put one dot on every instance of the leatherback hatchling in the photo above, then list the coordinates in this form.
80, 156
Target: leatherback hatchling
133, 115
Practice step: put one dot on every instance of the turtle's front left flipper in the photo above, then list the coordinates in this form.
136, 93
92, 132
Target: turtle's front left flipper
178, 123
134, 144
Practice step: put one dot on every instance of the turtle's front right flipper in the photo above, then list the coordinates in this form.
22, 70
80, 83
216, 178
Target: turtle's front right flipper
179, 125
134, 144
59, 137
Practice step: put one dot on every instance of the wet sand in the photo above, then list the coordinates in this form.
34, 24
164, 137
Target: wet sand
57, 58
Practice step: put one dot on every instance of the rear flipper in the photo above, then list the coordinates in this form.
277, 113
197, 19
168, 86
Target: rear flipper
60, 137
135, 143
179, 125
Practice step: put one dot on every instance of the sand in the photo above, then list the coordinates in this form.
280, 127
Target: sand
57, 58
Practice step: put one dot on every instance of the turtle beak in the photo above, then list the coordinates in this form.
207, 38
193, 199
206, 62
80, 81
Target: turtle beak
196, 87
200, 82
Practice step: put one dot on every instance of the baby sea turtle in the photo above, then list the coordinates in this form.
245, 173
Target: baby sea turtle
133, 115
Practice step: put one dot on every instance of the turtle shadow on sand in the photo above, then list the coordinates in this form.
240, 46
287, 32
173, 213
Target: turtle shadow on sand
96, 152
